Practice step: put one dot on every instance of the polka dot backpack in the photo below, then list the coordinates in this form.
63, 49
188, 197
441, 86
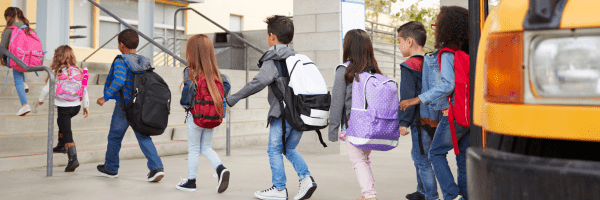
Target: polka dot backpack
373, 121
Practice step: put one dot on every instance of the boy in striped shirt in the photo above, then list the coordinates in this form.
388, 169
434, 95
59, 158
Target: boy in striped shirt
120, 82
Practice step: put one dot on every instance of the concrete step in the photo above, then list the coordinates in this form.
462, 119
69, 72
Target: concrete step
94, 92
32, 124
36, 142
89, 154
37, 124
10, 107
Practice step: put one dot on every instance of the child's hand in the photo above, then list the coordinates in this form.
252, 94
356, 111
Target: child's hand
403, 131
86, 112
408, 103
343, 136
101, 101
40, 103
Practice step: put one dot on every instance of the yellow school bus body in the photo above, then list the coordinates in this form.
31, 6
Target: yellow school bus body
566, 122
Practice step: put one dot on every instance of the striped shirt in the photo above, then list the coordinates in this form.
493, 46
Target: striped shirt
120, 75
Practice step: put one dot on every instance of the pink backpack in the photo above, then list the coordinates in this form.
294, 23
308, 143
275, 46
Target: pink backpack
26, 47
69, 86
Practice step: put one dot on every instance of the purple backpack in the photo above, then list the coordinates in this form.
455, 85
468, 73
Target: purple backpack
373, 121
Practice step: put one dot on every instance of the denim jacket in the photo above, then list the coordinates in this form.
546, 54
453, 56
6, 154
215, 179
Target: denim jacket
436, 86
188, 94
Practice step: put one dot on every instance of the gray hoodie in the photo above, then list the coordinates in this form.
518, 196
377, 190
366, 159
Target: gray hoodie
137, 62
267, 74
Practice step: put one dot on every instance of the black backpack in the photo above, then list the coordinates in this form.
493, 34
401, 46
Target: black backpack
148, 111
294, 106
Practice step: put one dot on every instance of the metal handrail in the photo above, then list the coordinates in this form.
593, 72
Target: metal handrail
50, 102
211, 21
93, 2
155, 38
372, 22
3, 25
98, 49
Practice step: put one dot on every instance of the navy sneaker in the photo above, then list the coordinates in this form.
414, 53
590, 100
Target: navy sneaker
188, 185
105, 173
156, 175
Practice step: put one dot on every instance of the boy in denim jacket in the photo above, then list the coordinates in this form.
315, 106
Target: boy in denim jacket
412, 38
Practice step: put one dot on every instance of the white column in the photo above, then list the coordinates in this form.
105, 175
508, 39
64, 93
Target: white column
318, 35
52, 24
146, 25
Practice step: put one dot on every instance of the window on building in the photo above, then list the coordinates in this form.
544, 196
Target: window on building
235, 23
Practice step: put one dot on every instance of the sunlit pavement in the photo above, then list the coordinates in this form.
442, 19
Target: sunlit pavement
394, 174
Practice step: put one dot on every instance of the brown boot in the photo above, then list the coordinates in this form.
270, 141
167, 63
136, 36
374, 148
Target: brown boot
72, 153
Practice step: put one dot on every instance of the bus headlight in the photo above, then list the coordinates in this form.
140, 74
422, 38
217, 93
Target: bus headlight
565, 67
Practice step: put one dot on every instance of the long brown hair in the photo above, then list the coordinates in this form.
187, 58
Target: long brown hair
200, 55
358, 49
63, 58
15, 14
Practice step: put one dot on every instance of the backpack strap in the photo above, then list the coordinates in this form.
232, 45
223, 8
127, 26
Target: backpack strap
418, 117
282, 68
451, 110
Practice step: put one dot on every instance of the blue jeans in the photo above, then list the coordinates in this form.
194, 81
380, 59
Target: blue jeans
19, 80
426, 182
442, 143
199, 141
275, 151
118, 127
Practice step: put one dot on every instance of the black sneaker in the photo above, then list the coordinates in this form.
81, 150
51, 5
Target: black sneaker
415, 196
156, 175
223, 175
105, 173
188, 185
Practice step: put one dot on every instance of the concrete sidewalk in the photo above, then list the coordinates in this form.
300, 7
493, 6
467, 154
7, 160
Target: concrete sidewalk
394, 174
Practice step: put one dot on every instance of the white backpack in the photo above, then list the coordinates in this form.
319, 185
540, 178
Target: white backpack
305, 100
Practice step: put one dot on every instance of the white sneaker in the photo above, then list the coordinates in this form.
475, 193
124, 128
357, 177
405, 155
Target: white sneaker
272, 193
26, 87
24, 110
307, 187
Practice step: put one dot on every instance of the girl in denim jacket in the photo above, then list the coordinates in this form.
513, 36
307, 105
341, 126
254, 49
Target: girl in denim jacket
451, 31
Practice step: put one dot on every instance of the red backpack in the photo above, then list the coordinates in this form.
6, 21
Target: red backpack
204, 112
460, 110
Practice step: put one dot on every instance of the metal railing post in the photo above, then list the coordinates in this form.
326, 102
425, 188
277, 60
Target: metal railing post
50, 103
395, 40
247, 73
372, 33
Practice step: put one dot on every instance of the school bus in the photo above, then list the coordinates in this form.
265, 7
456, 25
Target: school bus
535, 97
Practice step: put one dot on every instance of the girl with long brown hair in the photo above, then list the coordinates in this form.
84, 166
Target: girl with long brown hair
358, 57
14, 17
202, 65
70, 95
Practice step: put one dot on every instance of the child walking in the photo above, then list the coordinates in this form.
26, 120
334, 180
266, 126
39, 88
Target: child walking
202, 64
358, 57
119, 82
69, 90
411, 39
14, 18
451, 32
280, 32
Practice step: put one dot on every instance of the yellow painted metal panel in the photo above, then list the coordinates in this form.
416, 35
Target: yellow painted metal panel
581, 14
508, 16
543, 121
